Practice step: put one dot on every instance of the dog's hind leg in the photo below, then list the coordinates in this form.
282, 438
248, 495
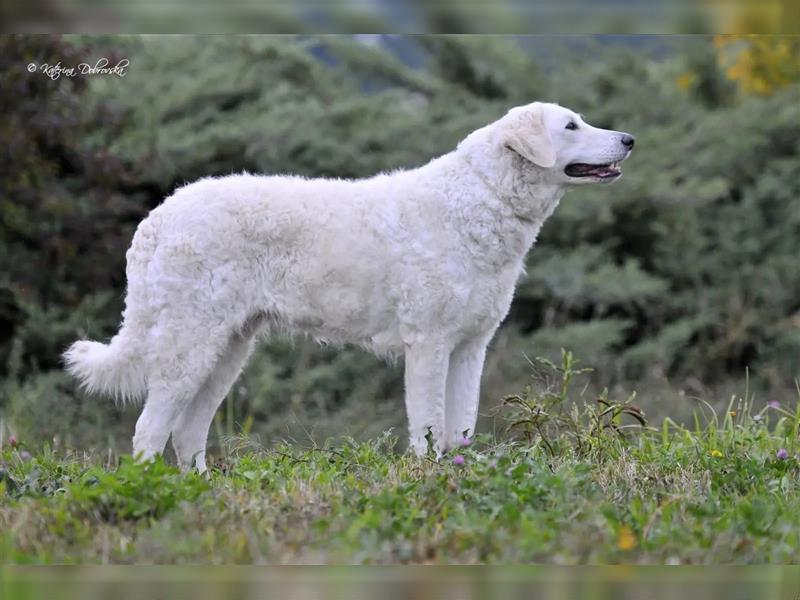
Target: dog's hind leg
165, 400
190, 431
182, 358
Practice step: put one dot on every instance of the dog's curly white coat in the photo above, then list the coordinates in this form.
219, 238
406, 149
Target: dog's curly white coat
420, 262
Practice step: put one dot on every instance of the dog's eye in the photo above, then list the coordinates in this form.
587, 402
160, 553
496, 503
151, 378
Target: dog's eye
571, 125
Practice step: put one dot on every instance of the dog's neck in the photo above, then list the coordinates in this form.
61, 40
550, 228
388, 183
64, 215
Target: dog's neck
512, 178
525, 189
502, 207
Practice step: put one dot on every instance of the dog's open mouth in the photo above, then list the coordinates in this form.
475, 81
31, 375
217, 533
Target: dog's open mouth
608, 171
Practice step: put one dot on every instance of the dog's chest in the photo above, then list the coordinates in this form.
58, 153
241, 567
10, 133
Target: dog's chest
453, 299
478, 298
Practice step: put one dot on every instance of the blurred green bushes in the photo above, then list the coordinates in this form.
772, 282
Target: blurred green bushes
686, 270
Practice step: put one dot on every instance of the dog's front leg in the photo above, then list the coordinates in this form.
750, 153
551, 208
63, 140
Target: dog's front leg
426, 379
463, 390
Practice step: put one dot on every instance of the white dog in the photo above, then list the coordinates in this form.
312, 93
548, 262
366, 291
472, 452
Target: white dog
420, 262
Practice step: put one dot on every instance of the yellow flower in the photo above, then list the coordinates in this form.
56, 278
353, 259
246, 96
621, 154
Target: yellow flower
720, 41
625, 538
716, 453
734, 72
733, 413
686, 80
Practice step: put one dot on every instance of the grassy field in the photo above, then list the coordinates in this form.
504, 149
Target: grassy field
568, 483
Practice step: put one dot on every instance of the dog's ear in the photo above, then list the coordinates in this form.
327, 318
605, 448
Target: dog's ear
526, 134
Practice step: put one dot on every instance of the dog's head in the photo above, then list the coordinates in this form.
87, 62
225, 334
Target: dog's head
562, 145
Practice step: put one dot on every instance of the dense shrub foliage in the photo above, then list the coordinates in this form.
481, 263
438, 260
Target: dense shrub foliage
686, 270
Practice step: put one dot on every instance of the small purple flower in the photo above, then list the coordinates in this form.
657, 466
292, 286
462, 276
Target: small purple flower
783, 454
12, 441
464, 442
774, 404
458, 460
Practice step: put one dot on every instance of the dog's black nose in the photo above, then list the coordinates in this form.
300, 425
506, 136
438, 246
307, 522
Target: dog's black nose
627, 140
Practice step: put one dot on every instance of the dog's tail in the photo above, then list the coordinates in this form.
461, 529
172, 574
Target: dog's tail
117, 369
114, 369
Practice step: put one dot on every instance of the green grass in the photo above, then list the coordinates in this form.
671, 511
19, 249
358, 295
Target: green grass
570, 483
